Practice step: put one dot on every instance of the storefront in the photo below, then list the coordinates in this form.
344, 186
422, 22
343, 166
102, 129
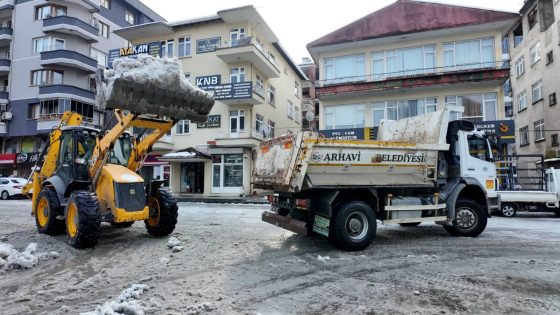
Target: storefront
153, 168
188, 170
7, 162
227, 173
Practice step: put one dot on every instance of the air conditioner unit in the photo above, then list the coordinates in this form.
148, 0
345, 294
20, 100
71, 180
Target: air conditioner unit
6, 116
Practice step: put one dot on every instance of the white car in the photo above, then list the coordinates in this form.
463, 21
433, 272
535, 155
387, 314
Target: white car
11, 186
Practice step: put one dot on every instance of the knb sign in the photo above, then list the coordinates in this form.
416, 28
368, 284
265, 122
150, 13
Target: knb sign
208, 82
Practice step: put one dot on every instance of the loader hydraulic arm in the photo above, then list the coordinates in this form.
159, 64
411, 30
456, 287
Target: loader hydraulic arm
144, 145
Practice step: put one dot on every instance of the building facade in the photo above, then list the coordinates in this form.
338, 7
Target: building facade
410, 58
257, 88
50, 51
310, 106
534, 44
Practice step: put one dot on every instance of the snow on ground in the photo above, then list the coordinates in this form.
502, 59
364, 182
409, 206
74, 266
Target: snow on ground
11, 258
126, 303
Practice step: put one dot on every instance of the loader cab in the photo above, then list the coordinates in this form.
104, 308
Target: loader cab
76, 148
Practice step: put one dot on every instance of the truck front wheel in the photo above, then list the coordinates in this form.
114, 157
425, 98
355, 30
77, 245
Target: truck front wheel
354, 226
470, 219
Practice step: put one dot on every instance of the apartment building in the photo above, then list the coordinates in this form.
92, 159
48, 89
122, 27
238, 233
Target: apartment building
411, 58
535, 74
50, 51
258, 90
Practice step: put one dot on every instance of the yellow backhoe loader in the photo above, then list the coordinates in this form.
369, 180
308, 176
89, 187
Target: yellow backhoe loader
87, 176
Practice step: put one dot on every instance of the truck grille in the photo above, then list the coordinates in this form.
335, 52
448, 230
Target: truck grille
130, 196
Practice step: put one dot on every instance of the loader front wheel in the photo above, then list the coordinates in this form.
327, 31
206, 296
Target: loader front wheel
354, 226
47, 209
83, 221
163, 213
470, 219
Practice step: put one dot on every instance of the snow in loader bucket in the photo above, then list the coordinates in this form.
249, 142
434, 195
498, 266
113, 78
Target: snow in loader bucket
151, 85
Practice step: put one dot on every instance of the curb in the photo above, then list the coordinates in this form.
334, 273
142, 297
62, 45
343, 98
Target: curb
222, 200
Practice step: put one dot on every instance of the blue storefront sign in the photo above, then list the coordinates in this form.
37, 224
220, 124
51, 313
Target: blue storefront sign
207, 44
233, 91
152, 49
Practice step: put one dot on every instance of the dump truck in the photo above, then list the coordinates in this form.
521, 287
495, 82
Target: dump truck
87, 175
420, 169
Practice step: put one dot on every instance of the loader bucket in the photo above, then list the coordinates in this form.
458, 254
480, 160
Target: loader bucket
151, 85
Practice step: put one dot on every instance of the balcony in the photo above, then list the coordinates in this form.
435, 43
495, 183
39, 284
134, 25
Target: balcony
90, 5
248, 50
468, 74
5, 64
6, 5
68, 58
5, 36
66, 91
4, 95
72, 26
238, 93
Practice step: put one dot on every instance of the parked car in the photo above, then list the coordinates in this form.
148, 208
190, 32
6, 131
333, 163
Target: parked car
11, 186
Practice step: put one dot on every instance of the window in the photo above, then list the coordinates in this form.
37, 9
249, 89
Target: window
524, 136
554, 139
100, 56
297, 117
49, 11
532, 18
236, 35
537, 91
549, 57
185, 46
522, 100
167, 48
395, 110
46, 77
259, 85
129, 17
271, 95
405, 61
237, 120
290, 109
539, 130
47, 44
345, 68
259, 122
271, 128
345, 116
552, 99
236, 75
103, 29
182, 127
54, 108
33, 111
518, 35
296, 88
520, 66
477, 107
470, 54
106, 4
535, 53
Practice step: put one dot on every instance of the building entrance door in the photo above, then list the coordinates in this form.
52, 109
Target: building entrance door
192, 178
227, 173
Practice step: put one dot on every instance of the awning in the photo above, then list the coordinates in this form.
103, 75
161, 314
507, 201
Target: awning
153, 160
186, 155
7, 159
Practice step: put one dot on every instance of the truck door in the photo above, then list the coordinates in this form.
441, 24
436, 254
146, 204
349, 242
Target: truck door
477, 160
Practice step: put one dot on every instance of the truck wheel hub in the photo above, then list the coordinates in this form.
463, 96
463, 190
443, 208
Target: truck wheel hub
465, 218
356, 226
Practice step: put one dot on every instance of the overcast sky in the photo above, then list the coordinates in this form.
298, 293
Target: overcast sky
299, 22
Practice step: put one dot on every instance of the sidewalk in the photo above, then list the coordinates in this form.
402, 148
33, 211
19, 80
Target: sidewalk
210, 199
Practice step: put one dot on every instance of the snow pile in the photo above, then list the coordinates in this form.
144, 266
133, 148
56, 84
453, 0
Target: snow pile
11, 258
175, 244
125, 303
323, 259
199, 308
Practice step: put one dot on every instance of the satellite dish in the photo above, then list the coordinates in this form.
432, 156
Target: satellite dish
264, 130
309, 116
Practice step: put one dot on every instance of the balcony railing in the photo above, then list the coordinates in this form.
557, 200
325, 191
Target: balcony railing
69, 58
70, 25
6, 31
61, 89
413, 73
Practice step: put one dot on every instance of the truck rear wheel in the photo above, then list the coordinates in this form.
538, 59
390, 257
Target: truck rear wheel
470, 219
47, 209
83, 221
508, 210
163, 213
354, 226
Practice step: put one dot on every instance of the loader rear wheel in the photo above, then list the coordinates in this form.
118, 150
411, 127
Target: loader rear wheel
122, 225
163, 213
354, 226
83, 221
47, 209
470, 219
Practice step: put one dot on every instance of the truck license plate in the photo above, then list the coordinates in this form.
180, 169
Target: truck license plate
321, 225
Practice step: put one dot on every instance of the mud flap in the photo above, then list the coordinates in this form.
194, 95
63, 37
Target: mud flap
321, 225
287, 223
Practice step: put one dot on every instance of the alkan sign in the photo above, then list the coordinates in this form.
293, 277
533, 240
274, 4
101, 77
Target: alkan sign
152, 49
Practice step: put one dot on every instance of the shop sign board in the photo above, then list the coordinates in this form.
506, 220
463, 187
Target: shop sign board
233, 91
503, 130
208, 82
344, 134
152, 49
207, 45
214, 121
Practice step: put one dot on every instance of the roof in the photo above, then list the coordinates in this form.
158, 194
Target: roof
145, 10
410, 16
188, 154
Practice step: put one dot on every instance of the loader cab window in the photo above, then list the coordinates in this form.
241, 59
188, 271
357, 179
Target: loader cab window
121, 151
85, 143
479, 148
66, 148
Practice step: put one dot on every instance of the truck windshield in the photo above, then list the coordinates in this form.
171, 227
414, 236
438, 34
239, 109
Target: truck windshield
478, 148
121, 151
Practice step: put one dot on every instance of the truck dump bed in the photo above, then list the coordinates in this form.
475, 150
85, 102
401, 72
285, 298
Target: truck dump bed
307, 160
